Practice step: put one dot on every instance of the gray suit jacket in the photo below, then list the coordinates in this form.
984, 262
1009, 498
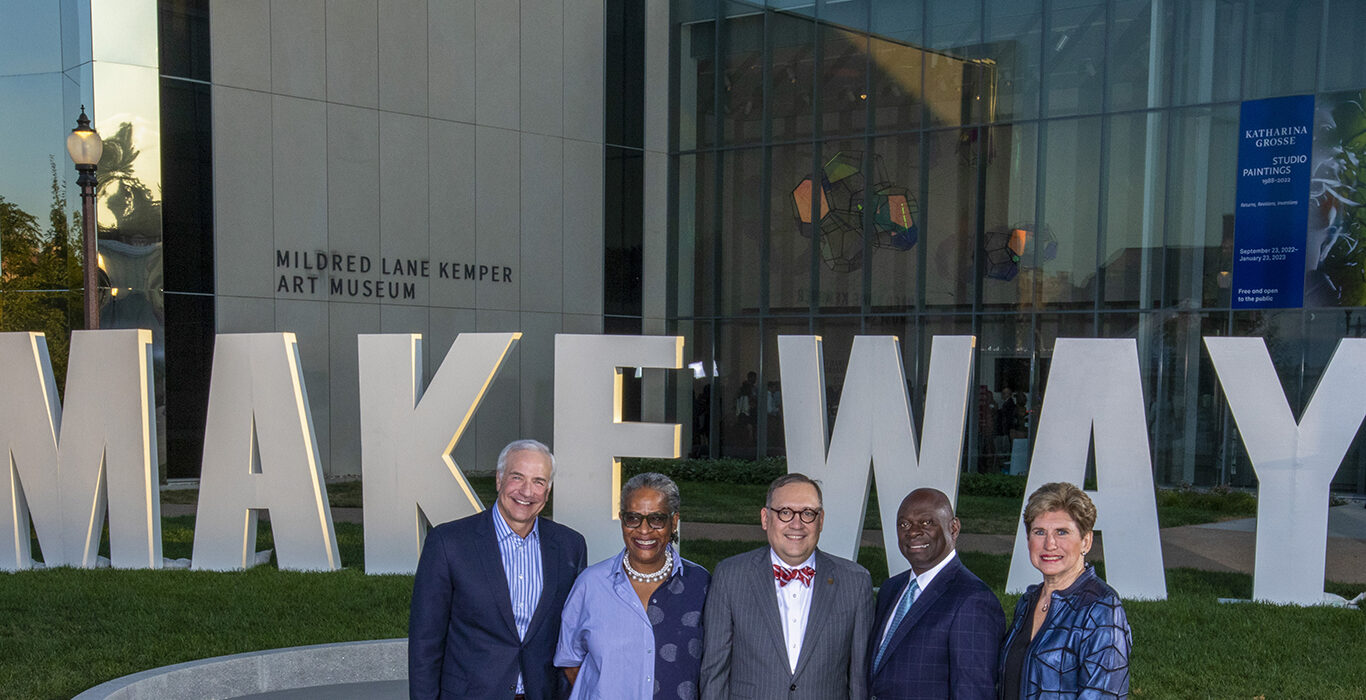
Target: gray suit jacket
742, 649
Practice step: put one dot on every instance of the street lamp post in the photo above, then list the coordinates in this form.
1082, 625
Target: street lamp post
84, 146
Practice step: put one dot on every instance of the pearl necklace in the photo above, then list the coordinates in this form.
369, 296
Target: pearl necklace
660, 575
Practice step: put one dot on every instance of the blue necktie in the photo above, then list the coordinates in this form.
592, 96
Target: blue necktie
902, 607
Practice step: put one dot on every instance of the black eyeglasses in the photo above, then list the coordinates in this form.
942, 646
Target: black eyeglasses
657, 521
808, 515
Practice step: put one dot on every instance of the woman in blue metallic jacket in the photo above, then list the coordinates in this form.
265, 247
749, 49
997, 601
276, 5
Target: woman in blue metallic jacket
1070, 637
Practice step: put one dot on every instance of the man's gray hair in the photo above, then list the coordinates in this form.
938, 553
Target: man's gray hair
529, 446
652, 480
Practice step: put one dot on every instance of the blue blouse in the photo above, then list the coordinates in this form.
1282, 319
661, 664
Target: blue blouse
1082, 649
624, 650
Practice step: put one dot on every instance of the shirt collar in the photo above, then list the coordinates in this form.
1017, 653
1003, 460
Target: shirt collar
502, 530
924, 579
778, 561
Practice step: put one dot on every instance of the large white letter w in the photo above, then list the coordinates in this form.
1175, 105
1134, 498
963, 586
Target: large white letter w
874, 424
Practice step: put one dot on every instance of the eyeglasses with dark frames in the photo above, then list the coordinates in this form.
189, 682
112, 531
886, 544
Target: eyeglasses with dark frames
657, 521
808, 515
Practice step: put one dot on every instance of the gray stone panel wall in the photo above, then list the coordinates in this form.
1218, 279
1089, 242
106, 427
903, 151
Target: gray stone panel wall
464, 134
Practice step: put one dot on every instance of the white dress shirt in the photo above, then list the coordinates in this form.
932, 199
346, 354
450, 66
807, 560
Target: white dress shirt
923, 581
794, 604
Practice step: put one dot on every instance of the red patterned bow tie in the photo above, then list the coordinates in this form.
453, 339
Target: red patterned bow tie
785, 575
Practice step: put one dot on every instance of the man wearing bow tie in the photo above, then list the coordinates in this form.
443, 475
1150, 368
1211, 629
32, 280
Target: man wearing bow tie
787, 621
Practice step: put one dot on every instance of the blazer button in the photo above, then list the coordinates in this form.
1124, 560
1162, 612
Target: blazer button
793, 687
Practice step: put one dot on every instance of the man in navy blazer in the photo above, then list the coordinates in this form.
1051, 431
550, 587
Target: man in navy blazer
489, 591
939, 638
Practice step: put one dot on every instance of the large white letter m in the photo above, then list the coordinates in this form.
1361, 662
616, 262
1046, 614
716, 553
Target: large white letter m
68, 465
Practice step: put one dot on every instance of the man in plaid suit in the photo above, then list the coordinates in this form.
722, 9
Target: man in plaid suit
937, 631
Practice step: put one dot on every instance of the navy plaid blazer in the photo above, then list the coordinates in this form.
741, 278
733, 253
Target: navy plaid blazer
947, 646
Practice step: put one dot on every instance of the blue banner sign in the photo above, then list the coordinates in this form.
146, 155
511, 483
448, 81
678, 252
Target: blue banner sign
1275, 137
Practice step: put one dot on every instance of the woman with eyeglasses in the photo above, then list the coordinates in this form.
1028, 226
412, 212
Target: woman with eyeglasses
632, 627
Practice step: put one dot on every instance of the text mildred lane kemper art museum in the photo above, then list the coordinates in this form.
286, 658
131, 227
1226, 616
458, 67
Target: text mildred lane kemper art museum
260, 453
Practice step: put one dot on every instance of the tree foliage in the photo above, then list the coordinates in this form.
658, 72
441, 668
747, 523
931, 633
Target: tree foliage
41, 273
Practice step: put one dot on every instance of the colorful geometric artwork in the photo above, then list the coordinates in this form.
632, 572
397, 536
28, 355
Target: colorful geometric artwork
803, 197
1021, 246
836, 214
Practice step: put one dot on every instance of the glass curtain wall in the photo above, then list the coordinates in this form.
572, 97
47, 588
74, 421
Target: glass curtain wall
187, 221
45, 68
1020, 170
140, 70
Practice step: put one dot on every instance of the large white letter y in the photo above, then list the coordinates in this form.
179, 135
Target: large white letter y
1294, 463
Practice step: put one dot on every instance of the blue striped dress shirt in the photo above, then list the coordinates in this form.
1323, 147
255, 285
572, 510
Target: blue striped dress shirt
522, 566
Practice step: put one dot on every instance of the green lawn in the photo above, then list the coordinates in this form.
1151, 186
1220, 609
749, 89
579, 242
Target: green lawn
65, 630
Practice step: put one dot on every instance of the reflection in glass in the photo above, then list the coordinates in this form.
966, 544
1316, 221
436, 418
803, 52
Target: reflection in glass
1071, 176
1346, 64
1190, 416
1337, 202
124, 33
1074, 58
35, 130
742, 79
29, 38
1277, 62
742, 231
183, 32
841, 242
843, 81
1322, 331
693, 392
898, 92
1067, 172
950, 219
737, 389
895, 276
837, 339
789, 242
127, 112
41, 283
1206, 52
792, 54
900, 21
1005, 364
772, 436
953, 26
1134, 199
1010, 198
1133, 51
1200, 204
696, 97
1013, 35
697, 228
623, 261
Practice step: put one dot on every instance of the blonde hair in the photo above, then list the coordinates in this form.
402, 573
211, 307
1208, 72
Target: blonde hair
1065, 497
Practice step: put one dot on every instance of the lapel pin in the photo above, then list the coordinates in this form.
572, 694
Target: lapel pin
830, 581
